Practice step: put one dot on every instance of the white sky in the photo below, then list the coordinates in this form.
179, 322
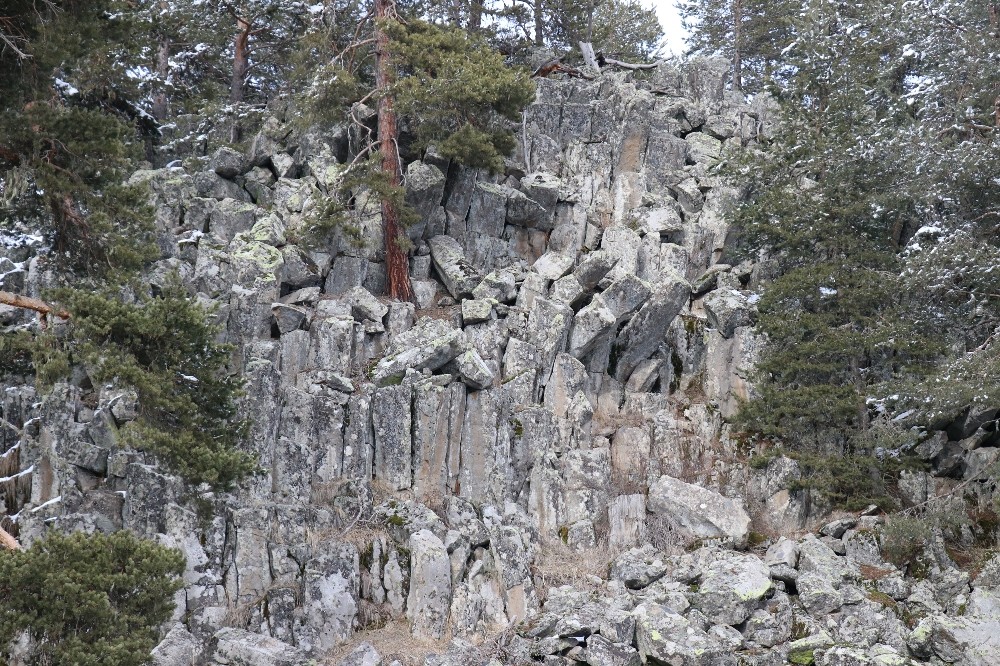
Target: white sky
671, 22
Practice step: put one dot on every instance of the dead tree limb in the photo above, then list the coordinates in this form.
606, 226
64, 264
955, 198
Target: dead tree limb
7, 541
35, 304
589, 59
625, 65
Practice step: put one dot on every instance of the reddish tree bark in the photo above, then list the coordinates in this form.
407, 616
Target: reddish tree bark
241, 59
396, 262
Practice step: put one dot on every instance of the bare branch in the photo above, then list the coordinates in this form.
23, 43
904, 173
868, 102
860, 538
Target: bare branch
7, 424
626, 65
7, 541
35, 304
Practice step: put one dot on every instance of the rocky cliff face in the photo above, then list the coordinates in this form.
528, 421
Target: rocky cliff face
533, 460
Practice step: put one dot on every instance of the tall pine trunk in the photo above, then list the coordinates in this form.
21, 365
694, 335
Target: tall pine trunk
241, 60
396, 262
475, 15
539, 36
160, 99
737, 44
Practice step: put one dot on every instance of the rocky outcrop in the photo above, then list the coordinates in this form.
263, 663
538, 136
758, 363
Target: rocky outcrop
536, 450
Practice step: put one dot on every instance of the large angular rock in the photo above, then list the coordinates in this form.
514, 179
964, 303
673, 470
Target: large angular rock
547, 329
589, 326
818, 595
802, 650
178, 648
364, 305
602, 652
363, 655
732, 588
817, 557
639, 567
392, 425
289, 317
646, 331
664, 637
227, 162
429, 601
328, 603
727, 309
458, 275
429, 345
625, 295
488, 209
592, 269
523, 211
553, 265
957, 640
473, 370
424, 188
702, 513
476, 311
239, 646
543, 188
498, 285
661, 221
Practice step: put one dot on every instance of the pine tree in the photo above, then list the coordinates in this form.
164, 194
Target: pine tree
68, 136
70, 133
751, 33
88, 599
830, 210
876, 207
623, 28
450, 89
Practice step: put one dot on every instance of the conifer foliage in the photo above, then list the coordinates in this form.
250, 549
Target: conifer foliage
70, 132
86, 599
448, 87
877, 208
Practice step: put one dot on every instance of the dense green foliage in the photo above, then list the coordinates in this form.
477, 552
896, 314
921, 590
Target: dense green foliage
66, 148
88, 599
751, 33
164, 348
458, 93
625, 29
875, 211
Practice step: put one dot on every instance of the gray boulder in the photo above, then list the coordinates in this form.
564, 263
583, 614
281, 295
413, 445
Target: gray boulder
363, 655
364, 305
594, 266
732, 588
702, 513
957, 640
227, 162
553, 265
664, 637
638, 567
178, 648
602, 652
429, 600
429, 345
458, 275
727, 310
239, 646
498, 285
645, 332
